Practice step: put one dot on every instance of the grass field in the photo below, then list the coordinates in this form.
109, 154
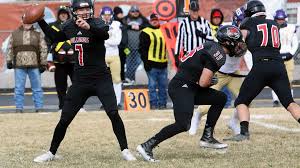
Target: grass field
90, 142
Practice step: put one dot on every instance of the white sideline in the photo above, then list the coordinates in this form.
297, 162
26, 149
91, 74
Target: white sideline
277, 127
254, 119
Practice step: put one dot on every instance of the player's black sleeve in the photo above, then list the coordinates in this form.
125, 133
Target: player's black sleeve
209, 63
99, 29
53, 35
245, 24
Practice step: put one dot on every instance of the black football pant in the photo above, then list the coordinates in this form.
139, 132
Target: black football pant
61, 74
184, 98
266, 73
77, 95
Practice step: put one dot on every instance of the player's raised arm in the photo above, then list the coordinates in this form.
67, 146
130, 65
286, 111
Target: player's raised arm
35, 13
53, 35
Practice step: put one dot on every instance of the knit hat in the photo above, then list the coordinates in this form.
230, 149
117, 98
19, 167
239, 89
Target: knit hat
117, 10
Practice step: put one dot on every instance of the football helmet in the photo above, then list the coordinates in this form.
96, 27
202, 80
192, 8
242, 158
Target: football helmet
78, 4
254, 8
238, 16
281, 15
106, 14
231, 38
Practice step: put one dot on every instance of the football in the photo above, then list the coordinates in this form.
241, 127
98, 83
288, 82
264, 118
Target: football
33, 13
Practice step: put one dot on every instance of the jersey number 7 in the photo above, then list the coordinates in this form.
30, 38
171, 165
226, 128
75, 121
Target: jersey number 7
274, 34
79, 48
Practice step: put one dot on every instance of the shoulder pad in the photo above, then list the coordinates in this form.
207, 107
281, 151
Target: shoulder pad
244, 23
216, 52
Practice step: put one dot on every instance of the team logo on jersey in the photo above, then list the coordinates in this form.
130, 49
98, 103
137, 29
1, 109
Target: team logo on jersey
233, 32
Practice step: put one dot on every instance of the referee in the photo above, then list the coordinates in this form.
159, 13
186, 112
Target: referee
193, 31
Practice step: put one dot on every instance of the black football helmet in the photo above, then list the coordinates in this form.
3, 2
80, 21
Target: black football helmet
77, 4
254, 8
231, 38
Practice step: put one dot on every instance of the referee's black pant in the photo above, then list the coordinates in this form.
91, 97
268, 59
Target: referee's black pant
76, 97
184, 97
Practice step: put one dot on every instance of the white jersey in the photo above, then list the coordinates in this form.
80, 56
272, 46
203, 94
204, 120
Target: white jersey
115, 36
288, 39
231, 64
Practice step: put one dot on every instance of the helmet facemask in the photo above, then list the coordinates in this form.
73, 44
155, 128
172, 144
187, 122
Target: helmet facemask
84, 13
82, 9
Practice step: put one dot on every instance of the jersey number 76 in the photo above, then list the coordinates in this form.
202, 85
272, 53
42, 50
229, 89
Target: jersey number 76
274, 34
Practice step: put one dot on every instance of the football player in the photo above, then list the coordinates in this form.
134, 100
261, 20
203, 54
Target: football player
91, 75
289, 46
228, 75
263, 41
191, 86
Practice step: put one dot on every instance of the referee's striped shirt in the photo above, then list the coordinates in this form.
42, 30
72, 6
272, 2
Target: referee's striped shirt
187, 38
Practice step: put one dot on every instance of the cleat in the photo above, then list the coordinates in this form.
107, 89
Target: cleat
127, 155
195, 123
46, 157
238, 138
235, 128
146, 153
212, 143
208, 141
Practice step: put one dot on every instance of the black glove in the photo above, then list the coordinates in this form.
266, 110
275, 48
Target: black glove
9, 65
42, 69
199, 33
286, 56
214, 80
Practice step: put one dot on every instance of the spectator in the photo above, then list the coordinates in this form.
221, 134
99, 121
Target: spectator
216, 20
289, 46
193, 31
27, 54
118, 16
134, 22
153, 53
112, 58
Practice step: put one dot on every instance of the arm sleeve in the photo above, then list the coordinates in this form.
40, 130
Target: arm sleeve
53, 35
244, 24
144, 46
209, 63
115, 35
99, 30
10, 52
294, 44
43, 50
208, 31
180, 38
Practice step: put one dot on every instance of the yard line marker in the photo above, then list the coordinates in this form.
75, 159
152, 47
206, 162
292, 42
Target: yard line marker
277, 127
